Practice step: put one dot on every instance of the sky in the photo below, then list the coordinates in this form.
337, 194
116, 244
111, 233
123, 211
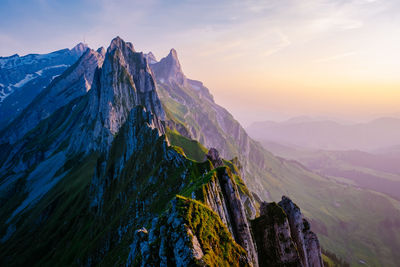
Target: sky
262, 60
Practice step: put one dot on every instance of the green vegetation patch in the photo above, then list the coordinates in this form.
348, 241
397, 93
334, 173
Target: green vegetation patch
193, 149
216, 242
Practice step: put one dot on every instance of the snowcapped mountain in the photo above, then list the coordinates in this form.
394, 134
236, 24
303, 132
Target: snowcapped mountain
24, 77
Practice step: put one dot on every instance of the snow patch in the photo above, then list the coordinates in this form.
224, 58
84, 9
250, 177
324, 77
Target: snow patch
40, 72
16, 61
25, 80
4, 93
41, 180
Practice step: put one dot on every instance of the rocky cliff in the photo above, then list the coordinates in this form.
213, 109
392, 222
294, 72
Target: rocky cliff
306, 241
97, 182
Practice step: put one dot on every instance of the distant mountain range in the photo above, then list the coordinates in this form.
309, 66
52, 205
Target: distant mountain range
379, 172
331, 135
23, 78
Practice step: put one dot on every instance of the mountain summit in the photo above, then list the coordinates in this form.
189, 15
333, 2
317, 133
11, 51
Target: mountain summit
169, 69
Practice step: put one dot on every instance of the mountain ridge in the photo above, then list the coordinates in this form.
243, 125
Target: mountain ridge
105, 154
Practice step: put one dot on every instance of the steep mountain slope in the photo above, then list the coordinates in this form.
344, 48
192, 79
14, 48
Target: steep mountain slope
22, 78
336, 210
76, 187
73, 83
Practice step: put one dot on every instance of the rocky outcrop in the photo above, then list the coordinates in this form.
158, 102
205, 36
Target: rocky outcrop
189, 234
221, 194
213, 156
282, 240
238, 219
151, 59
273, 238
126, 81
306, 241
168, 70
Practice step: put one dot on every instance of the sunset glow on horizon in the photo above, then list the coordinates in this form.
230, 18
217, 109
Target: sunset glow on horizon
260, 59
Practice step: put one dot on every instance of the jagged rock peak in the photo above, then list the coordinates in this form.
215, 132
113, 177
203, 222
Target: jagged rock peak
213, 156
117, 42
80, 48
173, 60
151, 59
125, 81
169, 69
273, 237
101, 51
173, 54
306, 241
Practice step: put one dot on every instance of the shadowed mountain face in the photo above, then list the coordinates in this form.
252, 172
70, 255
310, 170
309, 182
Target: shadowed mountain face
330, 135
94, 172
23, 78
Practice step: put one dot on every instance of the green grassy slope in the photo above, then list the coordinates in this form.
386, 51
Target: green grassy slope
192, 149
65, 228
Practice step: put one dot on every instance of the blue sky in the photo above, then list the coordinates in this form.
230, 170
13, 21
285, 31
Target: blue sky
261, 59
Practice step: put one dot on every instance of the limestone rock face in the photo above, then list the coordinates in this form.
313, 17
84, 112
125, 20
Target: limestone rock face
222, 196
306, 241
178, 239
240, 226
151, 59
272, 233
125, 81
168, 69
